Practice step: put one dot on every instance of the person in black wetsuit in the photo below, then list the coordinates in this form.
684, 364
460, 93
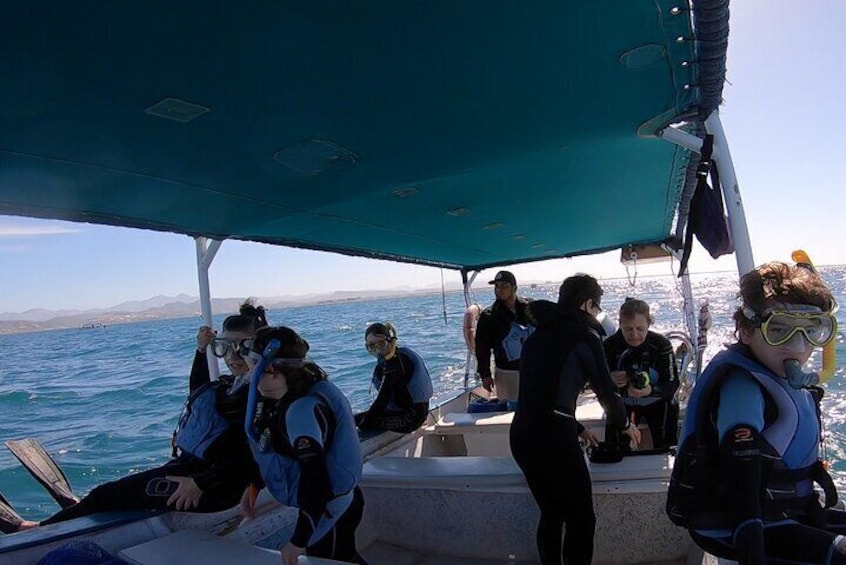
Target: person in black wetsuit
502, 328
563, 354
212, 462
644, 369
403, 382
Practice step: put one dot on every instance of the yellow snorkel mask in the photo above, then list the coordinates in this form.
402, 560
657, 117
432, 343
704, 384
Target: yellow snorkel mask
779, 325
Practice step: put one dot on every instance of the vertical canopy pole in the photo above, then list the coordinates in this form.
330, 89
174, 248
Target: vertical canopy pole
206, 250
731, 195
468, 284
689, 307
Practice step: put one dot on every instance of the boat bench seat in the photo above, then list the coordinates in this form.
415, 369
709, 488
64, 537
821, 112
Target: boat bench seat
459, 473
199, 547
589, 414
69, 529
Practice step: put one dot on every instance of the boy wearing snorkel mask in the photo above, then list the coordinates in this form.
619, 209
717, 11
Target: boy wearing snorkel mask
743, 480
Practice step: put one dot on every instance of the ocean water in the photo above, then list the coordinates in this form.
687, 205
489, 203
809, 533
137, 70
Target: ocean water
104, 401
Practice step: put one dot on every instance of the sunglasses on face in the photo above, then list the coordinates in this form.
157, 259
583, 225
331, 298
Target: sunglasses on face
223, 346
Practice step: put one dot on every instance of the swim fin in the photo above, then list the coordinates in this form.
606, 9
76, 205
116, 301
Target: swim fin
9, 518
41, 466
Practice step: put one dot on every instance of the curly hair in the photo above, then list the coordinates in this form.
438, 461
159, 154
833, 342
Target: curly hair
777, 283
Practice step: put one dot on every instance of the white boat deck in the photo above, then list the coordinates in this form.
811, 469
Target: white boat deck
196, 547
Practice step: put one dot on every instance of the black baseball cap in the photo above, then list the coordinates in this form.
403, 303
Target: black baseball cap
504, 276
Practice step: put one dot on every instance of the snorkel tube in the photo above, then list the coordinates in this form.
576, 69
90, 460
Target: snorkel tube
252, 398
829, 360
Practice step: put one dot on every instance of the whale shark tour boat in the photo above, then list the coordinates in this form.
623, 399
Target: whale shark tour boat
457, 135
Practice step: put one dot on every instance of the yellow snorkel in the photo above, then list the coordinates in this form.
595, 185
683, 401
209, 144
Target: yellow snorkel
829, 360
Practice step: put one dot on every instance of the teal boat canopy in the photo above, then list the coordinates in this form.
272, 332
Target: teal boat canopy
461, 134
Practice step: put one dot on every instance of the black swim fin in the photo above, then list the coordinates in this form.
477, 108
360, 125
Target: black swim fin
41, 466
9, 518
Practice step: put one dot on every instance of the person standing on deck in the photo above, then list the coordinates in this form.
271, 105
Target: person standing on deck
563, 354
502, 328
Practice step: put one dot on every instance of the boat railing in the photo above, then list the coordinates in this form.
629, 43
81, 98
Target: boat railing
686, 354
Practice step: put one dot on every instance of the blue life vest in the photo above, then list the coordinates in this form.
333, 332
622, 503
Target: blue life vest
698, 496
201, 423
512, 343
281, 471
420, 384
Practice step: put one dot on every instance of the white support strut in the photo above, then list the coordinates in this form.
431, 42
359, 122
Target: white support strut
731, 195
206, 251
728, 178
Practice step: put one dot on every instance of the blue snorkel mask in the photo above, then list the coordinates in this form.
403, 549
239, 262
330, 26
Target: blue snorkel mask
252, 400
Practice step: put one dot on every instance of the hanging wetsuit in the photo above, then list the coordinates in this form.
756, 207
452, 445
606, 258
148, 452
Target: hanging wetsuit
405, 389
743, 478
655, 358
563, 354
310, 458
215, 454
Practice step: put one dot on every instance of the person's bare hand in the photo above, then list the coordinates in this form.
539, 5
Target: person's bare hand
290, 553
187, 495
620, 378
634, 436
205, 335
589, 437
248, 502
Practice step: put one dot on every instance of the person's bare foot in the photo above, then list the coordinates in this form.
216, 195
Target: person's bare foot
27, 525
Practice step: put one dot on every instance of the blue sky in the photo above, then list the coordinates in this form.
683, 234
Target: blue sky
783, 115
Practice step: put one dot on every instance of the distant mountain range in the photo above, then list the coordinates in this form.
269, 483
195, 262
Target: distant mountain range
179, 306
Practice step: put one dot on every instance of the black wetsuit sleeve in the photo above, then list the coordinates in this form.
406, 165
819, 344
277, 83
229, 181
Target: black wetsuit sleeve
199, 371
741, 462
483, 345
314, 489
594, 365
665, 364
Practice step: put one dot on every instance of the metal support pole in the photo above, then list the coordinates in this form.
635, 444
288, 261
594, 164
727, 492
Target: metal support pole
689, 306
206, 251
731, 195
731, 191
468, 362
